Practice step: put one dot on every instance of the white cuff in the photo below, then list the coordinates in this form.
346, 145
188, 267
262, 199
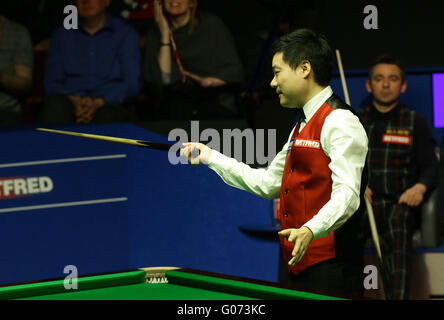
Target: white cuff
216, 158
316, 230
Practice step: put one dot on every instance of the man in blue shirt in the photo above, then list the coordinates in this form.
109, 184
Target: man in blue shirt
92, 71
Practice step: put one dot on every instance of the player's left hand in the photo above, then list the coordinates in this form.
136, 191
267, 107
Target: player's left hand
413, 196
301, 238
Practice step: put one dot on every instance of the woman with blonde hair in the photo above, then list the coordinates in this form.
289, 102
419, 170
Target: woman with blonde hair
191, 62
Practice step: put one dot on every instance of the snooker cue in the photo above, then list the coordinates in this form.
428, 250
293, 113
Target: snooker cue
371, 216
133, 142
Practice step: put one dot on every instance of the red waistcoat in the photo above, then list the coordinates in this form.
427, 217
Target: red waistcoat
306, 188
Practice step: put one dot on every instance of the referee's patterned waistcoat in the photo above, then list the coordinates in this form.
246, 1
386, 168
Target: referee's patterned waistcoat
306, 188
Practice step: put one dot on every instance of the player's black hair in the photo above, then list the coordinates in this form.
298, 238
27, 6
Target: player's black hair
306, 44
388, 59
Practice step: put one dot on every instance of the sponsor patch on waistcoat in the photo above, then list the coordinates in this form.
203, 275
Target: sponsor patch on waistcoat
398, 132
307, 143
397, 139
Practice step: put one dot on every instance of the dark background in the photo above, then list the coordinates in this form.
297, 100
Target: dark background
410, 29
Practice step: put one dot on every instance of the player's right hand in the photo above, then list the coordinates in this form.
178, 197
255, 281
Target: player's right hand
196, 153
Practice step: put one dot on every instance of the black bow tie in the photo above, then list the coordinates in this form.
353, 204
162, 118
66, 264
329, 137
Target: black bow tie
300, 114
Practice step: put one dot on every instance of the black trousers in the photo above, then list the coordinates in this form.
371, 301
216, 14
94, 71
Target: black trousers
59, 109
333, 277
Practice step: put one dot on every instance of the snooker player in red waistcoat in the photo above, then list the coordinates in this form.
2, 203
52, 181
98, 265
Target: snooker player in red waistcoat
317, 173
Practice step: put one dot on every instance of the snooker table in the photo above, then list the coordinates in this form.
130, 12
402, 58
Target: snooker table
159, 283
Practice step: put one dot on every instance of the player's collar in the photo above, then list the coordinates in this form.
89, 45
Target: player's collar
316, 102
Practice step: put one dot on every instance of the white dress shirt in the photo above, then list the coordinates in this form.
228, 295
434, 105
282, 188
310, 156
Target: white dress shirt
343, 140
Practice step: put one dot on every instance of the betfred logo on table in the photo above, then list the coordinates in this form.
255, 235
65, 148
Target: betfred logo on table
14, 187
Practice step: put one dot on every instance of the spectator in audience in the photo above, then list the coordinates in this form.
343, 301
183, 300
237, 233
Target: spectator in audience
94, 71
198, 80
16, 64
402, 166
